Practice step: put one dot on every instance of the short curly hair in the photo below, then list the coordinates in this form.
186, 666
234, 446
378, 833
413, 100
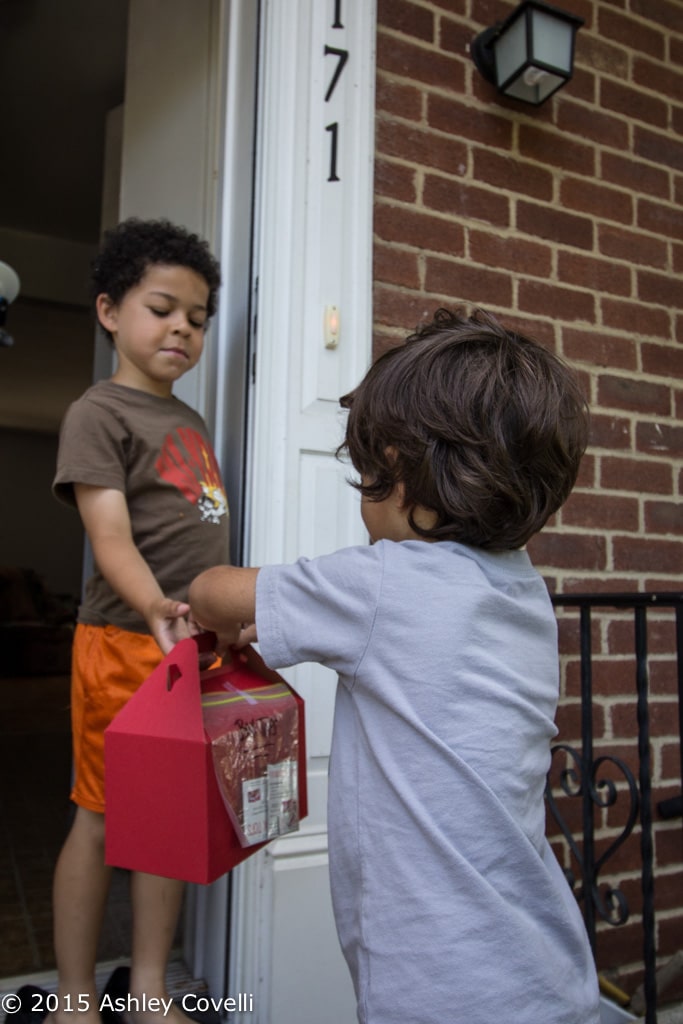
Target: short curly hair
134, 245
480, 425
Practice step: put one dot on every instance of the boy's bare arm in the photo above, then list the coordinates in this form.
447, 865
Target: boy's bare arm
105, 516
223, 599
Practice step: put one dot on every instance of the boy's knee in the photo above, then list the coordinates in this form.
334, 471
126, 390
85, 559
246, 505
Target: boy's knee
89, 824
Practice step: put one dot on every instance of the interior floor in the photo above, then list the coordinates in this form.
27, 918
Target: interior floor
35, 772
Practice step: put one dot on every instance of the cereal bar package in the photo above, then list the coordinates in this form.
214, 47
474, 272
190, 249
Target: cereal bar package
255, 744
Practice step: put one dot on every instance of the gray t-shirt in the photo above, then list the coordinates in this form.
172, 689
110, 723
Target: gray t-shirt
449, 903
157, 452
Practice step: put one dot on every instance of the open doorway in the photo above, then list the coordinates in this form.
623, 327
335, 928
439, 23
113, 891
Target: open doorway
66, 67
71, 64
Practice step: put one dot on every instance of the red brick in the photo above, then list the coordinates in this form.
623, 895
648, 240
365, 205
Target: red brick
466, 201
635, 554
522, 256
633, 246
677, 120
633, 394
660, 288
646, 72
634, 34
550, 147
394, 181
393, 139
588, 197
554, 225
661, 714
399, 99
568, 550
601, 54
584, 85
670, 755
462, 283
663, 678
407, 18
665, 360
405, 310
418, 63
663, 517
453, 7
597, 585
635, 318
601, 512
611, 677
553, 300
460, 120
412, 227
395, 266
513, 175
660, 218
641, 475
568, 720
635, 175
669, 929
661, 439
661, 636
595, 274
542, 331
666, 13
657, 147
610, 431
605, 129
633, 103
586, 477
455, 37
599, 348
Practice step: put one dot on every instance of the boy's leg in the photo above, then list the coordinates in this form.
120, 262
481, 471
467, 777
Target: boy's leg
81, 885
156, 908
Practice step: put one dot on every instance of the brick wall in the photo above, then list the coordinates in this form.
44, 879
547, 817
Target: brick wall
567, 222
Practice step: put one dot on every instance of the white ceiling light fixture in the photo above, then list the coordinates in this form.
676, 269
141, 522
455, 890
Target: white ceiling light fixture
530, 55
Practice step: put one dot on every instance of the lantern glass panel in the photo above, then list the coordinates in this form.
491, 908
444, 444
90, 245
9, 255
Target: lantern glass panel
552, 40
510, 51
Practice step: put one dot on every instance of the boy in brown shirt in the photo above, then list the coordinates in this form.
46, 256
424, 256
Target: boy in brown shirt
139, 466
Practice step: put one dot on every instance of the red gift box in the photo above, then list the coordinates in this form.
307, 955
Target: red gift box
165, 814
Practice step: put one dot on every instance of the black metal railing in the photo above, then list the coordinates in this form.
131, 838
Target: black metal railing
583, 778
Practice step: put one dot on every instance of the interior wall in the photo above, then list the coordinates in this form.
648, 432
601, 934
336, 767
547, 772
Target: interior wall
37, 531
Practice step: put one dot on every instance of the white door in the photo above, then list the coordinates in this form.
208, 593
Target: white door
313, 254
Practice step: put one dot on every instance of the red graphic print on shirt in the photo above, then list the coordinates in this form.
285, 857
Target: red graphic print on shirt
188, 463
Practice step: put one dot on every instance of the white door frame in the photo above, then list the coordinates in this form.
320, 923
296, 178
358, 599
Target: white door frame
313, 250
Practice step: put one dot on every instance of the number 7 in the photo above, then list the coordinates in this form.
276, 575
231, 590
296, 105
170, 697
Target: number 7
343, 56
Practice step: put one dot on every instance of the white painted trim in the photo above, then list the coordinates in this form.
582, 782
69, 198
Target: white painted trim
313, 247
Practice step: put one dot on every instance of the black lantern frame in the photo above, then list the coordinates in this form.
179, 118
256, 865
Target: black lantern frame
518, 62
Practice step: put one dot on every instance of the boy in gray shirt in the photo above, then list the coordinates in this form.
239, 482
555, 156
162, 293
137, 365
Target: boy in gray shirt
449, 903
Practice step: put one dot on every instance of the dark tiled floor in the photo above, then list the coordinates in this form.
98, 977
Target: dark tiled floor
35, 769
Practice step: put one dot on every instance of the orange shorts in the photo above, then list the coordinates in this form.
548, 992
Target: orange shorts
108, 666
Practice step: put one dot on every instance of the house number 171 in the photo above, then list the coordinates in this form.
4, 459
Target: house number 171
340, 57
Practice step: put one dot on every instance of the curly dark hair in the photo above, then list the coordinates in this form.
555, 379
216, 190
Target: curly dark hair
480, 425
133, 245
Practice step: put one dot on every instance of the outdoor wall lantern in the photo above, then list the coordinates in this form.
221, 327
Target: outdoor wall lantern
530, 55
9, 289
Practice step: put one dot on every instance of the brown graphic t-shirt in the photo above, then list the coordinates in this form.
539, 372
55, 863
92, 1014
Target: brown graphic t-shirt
157, 452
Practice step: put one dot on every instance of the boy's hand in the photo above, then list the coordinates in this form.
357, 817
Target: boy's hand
167, 620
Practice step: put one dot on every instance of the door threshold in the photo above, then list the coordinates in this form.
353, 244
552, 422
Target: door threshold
179, 980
